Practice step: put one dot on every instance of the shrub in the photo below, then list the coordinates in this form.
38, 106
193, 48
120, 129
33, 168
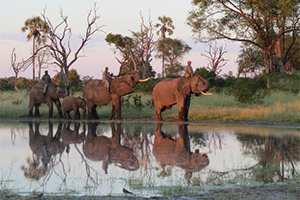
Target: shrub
251, 91
5, 85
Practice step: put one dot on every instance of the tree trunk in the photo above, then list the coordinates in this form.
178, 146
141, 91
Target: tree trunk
33, 59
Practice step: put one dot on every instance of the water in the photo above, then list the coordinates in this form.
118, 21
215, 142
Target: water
145, 158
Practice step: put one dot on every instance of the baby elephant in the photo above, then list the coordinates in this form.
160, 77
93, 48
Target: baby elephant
73, 103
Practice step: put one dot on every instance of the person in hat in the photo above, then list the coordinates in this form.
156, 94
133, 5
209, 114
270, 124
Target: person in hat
46, 80
188, 69
106, 79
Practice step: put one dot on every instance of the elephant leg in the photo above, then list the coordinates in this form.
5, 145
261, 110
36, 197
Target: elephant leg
118, 109
158, 114
69, 115
94, 112
76, 114
187, 103
113, 110
50, 105
37, 110
181, 112
58, 106
30, 111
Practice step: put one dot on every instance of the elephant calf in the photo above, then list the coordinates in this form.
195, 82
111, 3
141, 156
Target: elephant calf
73, 103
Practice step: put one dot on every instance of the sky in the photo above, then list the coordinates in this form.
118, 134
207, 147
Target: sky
117, 17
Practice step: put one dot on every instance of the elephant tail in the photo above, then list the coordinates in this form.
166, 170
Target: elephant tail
151, 103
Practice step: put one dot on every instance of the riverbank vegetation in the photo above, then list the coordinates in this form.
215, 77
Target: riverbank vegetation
269, 98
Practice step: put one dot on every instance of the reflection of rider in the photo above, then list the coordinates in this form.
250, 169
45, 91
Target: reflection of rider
106, 79
46, 80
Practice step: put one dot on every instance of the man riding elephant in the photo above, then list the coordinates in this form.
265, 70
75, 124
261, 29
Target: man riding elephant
46, 80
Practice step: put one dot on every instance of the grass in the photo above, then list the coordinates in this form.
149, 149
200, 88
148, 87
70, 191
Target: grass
278, 106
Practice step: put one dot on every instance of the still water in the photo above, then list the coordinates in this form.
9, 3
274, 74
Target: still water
145, 158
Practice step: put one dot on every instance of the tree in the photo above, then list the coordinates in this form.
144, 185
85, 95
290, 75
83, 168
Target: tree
19, 66
250, 60
128, 49
146, 45
165, 26
172, 50
215, 57
37, 32
259, 22
60, 48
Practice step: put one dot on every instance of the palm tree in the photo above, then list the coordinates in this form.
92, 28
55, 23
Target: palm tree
166, 26
36, 26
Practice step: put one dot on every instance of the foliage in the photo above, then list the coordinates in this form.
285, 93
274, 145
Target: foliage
264, 24
283, 82
6, 85
251, 91
172, 50
250, 60
205, 73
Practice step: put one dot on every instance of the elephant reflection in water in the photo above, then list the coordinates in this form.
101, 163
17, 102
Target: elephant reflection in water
70, 136
109, 150
43, 148
168, 151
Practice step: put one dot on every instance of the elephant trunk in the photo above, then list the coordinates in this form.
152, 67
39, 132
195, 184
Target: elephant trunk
205, 86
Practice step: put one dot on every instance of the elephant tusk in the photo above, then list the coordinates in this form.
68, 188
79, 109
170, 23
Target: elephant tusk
205, 153
206, 93
144, 80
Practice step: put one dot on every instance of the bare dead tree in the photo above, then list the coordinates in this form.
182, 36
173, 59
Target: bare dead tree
147, 44
215, 57
42, 57
60, 48
19, 66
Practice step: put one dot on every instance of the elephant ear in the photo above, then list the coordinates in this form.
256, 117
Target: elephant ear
122, 88
184, 86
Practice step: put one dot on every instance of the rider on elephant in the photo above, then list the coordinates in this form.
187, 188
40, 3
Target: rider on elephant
106, 79
46, 80
188, 69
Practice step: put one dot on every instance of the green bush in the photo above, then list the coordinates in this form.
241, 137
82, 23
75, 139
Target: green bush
6, 85
251, 91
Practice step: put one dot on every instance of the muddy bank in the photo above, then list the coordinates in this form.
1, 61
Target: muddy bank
274, 192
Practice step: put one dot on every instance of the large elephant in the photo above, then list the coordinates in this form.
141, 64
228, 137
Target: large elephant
170, 91
95, 93
53, 93
169, 151
109, 150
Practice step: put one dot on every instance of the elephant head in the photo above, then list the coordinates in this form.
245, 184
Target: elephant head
126, 82
195, 84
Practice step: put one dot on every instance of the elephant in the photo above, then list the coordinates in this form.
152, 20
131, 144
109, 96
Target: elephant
109, 150
168, 151
170, 91
96, 94
43, 148
53, 93
70, 103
